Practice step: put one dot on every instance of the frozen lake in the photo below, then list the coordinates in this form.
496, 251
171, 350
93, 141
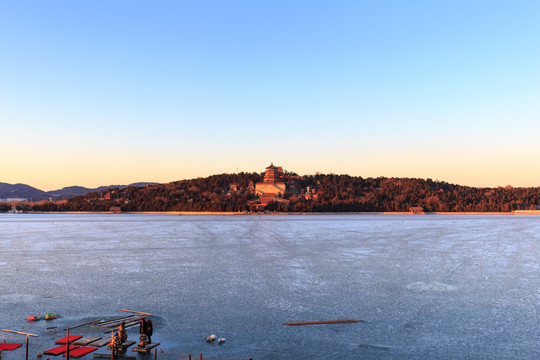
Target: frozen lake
427, 287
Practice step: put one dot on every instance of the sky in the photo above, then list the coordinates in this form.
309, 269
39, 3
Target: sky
114, 92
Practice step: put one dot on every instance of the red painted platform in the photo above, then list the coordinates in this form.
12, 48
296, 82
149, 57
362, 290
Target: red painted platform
64, 340
4, 346
83, 350
60, 350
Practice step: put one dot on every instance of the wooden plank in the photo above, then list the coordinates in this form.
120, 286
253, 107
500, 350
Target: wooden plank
322, 322
116, 320
136, 312
120, 318
87, 340
117, 324
126, 344
108, 356
133, 320
101, 342
147, 348
86, 323
127, 326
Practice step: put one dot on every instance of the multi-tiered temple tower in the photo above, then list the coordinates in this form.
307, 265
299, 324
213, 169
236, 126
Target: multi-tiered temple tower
272, 185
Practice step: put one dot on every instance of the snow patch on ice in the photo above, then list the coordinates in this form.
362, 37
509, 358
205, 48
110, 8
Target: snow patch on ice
430, 286
17, 298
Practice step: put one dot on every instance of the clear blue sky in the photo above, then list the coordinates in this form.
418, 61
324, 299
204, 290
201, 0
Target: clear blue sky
112, 92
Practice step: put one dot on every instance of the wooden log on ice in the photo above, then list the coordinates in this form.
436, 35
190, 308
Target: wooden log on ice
19, 332
322, 322
136, 312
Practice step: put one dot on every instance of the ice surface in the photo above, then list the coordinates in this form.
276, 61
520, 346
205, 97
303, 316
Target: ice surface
427, 287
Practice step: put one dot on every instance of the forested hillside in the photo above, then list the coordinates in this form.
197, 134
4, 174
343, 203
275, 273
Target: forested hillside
334, 193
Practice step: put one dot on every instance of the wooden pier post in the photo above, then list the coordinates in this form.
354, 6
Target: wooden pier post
67, 344
111, 345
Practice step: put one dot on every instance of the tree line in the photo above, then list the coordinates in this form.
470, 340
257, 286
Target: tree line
336, 193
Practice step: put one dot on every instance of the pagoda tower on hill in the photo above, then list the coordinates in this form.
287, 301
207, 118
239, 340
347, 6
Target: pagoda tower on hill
272, 185
273, 174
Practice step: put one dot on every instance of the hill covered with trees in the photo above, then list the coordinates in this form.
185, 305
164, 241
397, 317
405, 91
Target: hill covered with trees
312, 193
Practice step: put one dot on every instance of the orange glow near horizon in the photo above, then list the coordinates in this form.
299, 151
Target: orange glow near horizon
89, 172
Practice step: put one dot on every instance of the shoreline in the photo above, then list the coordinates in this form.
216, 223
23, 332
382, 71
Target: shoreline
222, 213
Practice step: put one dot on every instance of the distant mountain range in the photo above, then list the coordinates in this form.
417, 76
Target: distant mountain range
29, 193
